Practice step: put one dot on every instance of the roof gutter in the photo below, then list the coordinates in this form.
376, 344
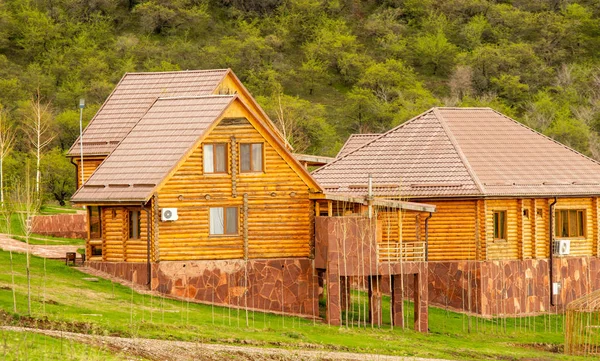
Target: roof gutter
551, 233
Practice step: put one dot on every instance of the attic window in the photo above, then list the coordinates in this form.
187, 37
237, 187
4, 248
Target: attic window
215, 158
251, 157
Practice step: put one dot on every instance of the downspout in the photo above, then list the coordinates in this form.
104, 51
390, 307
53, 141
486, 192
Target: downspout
76, 171
551, 246
148, 265
427, 236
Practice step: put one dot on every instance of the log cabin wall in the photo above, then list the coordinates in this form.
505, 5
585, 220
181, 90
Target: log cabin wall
279, 218
453, 230
527, 228
117, 246
587, 245
89, 167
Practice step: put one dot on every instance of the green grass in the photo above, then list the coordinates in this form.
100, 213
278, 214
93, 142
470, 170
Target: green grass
16, 230
47, 209
31, 346
69, 302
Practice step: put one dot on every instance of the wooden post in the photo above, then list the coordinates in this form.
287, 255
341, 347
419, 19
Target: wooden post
317, 209
330, 208
233, 167
245, 229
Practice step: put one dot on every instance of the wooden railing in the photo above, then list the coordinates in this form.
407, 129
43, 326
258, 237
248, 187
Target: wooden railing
405, 251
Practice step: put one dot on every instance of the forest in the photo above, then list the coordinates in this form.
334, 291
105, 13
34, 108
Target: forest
322, 69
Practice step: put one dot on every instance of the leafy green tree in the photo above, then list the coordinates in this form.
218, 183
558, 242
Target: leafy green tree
59, 176
433, 53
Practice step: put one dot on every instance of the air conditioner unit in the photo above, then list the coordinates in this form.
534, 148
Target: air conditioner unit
562, 247
168, 214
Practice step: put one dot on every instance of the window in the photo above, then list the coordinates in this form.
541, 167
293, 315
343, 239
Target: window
251, 157
135, 225
223, 220
215, 158
499, 225
570, 223
95, 224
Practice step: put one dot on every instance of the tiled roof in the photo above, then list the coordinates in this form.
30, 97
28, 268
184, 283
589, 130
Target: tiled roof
153, 147
455, 152
355, 141
415, 159
132, 97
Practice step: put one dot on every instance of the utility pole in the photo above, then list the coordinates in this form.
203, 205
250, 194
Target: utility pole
81, 106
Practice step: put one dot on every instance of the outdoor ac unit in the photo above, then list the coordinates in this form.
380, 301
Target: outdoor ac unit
562, 247
168, 214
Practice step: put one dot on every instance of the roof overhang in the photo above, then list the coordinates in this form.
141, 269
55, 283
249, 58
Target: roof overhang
388, 203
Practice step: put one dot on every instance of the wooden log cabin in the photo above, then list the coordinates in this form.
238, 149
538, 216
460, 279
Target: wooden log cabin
514, 209
199, 196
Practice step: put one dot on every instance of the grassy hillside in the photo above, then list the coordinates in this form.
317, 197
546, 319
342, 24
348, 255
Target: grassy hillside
64, 300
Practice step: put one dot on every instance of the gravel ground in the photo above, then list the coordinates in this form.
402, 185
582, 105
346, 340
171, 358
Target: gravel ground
50, 251
188, 351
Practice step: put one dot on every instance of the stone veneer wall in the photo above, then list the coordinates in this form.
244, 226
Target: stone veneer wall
280, 285
128, 271
61, 225
518, 287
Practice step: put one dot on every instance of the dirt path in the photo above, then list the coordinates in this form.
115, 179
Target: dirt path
188, 351
9, 244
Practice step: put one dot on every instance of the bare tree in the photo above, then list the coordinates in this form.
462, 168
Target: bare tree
27, 203
7, 140
7, 211
38, 130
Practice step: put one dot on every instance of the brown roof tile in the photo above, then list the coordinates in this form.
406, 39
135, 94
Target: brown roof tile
132, 97
454, 152
355, 141
153, 147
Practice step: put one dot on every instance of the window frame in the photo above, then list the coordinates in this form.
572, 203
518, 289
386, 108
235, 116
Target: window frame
129, 211
237, 222
262, 155
90, 213
504, 229
558, 217
214, 158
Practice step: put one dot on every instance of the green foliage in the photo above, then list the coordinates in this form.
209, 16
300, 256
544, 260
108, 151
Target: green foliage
340, 66
59, 176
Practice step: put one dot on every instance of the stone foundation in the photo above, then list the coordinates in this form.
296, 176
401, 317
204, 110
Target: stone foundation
511, 288
129, 271
61, 225
278, 285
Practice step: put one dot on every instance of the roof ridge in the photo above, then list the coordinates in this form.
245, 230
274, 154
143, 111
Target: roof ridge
463, 108
375, 139
198, 96
459, 151
546, 137
176, 71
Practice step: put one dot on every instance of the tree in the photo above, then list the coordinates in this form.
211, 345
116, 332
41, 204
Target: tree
303, 125
38, 130
434, 53
28, 204
7, 140
58, 176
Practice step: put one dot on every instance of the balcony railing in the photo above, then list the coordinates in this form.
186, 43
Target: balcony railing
405, 251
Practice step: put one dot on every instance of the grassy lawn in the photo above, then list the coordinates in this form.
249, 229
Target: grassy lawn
32, 346
16, 229
69, 302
